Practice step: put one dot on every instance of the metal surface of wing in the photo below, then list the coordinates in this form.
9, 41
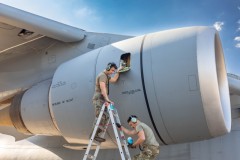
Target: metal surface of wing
33, 24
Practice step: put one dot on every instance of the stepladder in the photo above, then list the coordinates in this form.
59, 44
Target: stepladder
110, 111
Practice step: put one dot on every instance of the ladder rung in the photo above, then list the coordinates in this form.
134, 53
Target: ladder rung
101, 127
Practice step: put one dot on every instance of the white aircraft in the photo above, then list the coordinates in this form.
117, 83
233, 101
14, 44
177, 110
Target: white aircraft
177, 84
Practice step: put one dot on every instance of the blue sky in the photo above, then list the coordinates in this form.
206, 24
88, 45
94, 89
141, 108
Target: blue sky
137, 17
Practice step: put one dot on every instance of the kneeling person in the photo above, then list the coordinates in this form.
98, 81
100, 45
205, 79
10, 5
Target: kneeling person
146, 139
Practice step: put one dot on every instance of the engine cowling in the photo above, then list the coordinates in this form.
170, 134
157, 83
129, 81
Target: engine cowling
177, 85
30, 113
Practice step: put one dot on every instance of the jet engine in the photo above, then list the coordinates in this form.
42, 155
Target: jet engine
177, 85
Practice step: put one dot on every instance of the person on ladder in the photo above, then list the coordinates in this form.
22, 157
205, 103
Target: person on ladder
146, 139
101, 95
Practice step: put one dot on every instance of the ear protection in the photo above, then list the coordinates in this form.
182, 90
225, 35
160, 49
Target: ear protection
110, 65
133, 118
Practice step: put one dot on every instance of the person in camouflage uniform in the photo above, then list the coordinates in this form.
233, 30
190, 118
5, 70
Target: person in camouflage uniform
101, 95
146, 139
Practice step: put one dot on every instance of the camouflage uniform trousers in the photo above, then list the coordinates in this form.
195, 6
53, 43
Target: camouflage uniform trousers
98, 106
149, 152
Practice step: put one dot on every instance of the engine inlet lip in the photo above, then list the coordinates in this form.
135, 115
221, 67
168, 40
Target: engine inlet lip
213, 82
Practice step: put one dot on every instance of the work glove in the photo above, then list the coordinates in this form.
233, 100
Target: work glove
118, 125
131, 146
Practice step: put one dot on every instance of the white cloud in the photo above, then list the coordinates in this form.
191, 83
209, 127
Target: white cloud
237, 45
237, 38
60, 11
86, 18
218, 25
86, 13
238, 29
238, 8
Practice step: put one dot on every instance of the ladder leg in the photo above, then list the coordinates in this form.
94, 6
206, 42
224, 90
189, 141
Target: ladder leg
123, 137
98, 147
94, 133
116, 134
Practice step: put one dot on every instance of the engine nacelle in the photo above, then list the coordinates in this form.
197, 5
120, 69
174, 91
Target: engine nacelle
177, 85
30, 113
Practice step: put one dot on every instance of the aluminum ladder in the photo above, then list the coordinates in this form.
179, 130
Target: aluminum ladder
121, 141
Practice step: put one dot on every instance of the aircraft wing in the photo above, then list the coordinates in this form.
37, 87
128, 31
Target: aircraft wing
22, 33
18, 28
26, 26
234, 87
234, 84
